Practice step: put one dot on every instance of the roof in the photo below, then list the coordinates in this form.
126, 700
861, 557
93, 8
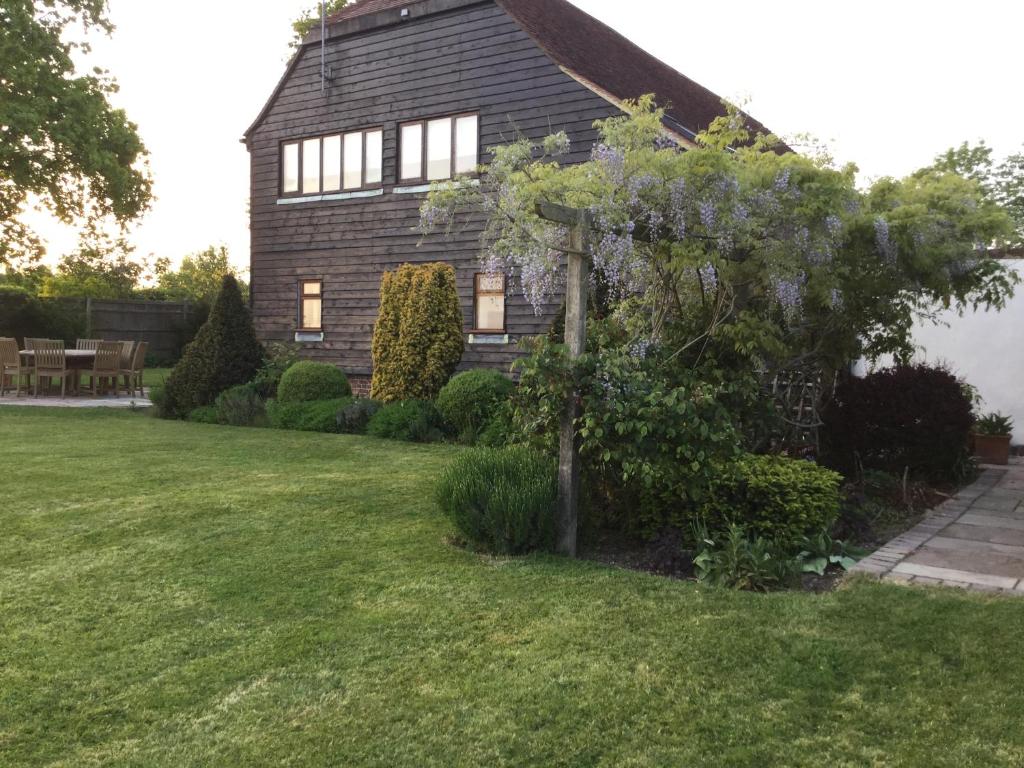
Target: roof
596, 54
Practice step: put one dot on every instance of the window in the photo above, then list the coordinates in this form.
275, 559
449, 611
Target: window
489, 303
310, 305
329, 164
442, 148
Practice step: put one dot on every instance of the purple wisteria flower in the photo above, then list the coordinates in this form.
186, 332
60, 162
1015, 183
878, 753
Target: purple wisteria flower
836, 299
612, 160
886, 247
788, 294
834, 226
782, 181
708, 278
678, 201
708, 214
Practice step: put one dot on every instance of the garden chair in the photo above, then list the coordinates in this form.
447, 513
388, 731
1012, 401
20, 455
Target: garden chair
87, 343
49, 362
133, 373
11, 367
106, 365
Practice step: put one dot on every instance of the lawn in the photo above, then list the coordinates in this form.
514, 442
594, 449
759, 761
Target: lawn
176, 594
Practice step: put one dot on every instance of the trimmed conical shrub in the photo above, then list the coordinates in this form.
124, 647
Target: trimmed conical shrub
223, 354
417, 341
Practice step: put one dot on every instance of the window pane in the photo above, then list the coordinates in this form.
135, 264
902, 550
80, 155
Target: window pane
466, 144
491, 283
374, 156
412, 151
311, 289
353, 160
332, 163
290, 168
439, 149
311, 166
490, 312
311, 313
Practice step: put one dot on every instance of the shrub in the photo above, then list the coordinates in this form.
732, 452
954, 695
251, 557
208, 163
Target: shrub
470, 400
241, 406
995, 424
223, 354
280, 356
783, 500
307, 381
500, 430
737, 560
417, 339
909, 418
415, 421
501, 499
204, 414
310, 416
355, 417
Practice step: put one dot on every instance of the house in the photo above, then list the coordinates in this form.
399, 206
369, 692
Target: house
402, 93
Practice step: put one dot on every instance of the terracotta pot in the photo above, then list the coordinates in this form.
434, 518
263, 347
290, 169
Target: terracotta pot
992, 449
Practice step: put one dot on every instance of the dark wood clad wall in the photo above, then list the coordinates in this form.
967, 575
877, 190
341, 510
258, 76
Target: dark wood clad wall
473, 59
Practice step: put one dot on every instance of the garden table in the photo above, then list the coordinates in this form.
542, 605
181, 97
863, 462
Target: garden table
76, 359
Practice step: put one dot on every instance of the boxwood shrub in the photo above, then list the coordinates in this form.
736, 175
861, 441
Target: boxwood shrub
241, 406
415, 421
307, 381
355, 417
780, 499
501, 499
312, 416
471, 399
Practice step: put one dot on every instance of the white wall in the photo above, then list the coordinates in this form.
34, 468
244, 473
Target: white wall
987, 350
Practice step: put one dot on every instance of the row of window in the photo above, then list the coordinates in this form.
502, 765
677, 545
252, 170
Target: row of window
488, 304
429, 150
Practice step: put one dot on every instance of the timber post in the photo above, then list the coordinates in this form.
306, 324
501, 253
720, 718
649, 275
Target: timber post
567, 514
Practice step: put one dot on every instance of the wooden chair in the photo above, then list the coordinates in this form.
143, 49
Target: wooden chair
11, 367
87, 343
51, 362
106, 365
133, 373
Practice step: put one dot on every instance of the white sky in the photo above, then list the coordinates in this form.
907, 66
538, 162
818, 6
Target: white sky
890, 84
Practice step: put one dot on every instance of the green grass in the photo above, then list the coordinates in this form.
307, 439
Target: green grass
151, 376
176, 594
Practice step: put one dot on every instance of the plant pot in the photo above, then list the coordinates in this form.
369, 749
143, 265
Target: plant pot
992, 449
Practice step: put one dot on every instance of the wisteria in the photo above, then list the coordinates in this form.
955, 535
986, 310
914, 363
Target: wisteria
789, 294
883, 241
612, 160
708, 278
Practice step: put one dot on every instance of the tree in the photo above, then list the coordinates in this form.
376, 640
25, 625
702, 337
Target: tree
223, 354
98, 270
199, 276
310, 19
1002, 182
61, 142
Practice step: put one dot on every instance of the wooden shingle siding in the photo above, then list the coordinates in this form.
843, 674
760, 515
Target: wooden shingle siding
472, 59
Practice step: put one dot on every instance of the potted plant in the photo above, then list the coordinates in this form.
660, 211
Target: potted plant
992, 438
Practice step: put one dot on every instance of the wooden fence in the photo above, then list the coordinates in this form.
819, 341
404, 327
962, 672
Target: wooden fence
166, 325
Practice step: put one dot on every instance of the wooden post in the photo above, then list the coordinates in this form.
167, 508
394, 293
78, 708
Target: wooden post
567, 516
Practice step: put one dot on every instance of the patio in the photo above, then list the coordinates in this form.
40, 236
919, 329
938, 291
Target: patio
973, 541
81, 401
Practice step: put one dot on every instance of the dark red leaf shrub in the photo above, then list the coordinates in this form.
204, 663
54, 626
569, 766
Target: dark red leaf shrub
915, 417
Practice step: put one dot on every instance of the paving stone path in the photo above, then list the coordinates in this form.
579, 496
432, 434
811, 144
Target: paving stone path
973, 541
109, 401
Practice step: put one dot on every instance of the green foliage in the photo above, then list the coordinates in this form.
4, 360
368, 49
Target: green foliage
417, 339
204, 414
224, 353
279, 357
502, 500
310, 20
820, 551
98, 271
198, 277
780, 499
24, 315
651, 444
355, 417
306, 381
500, 430
994, 424
471, 400
737, 560
308, 416
63, 144
414, 421
241, 406
914, 419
